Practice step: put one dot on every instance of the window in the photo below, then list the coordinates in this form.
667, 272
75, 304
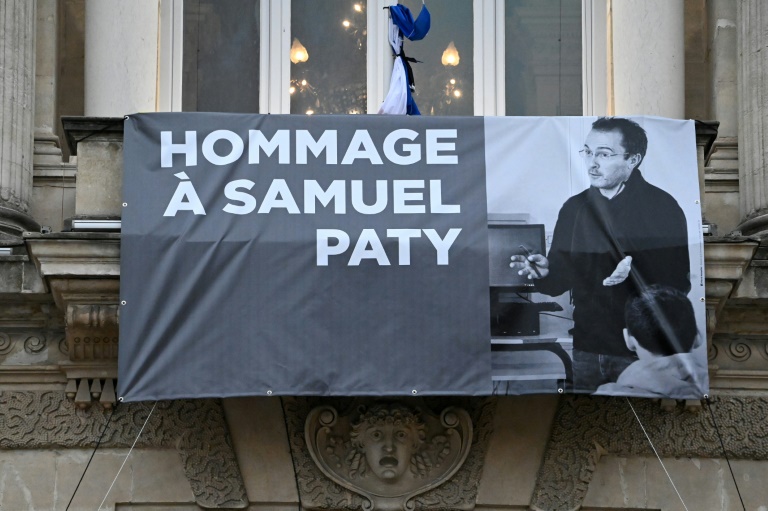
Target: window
542, 74
444, 75
481, 57
328, 57
221, 56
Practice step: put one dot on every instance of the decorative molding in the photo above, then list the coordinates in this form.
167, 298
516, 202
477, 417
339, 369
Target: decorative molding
6, 344
738, 362
586, 428
32, 342
388, 453
736, 312
726, 260
195, 428
30, 311
59, 174
82, 271
84, 391
92, 331
318, 490
722, 172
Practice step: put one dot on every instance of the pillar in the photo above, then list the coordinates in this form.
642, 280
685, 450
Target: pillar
120, 57
722, 173
17, 89
47, 148
648, 57
751, 23
723, 72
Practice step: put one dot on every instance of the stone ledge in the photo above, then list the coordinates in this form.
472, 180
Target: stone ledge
75, 254
78, 129
60, 174
750, 383
82, 271
28, 374
18, 276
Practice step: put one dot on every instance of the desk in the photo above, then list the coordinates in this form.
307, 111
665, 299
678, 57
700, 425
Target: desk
538, 371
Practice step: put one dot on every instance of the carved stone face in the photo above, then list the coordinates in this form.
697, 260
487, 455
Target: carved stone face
388, 448
386, 452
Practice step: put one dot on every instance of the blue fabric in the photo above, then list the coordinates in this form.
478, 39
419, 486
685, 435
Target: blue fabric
412, 30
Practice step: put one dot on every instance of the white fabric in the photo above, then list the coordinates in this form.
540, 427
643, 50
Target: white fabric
395, 37
396, 102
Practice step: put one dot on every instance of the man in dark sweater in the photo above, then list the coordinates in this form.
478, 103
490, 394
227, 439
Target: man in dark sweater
611, 242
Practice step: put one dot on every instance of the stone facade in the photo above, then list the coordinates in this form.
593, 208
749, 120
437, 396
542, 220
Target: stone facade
59, 307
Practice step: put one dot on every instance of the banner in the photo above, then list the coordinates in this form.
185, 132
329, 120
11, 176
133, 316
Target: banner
267, 255
377, 255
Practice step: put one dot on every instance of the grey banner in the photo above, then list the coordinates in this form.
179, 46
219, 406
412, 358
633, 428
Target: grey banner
327, 255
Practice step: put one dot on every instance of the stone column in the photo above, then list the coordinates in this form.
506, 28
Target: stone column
723, 71
752, 35
648, 57
17, 62
120, 57
722, 173
47, 149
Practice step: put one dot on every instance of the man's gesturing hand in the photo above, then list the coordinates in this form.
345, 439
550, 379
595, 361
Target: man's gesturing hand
621, 272
536, 266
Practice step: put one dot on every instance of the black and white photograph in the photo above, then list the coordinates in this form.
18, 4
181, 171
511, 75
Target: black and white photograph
596, 257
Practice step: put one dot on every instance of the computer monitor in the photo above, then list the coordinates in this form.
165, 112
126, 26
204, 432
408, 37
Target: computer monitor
508, 239
512, 314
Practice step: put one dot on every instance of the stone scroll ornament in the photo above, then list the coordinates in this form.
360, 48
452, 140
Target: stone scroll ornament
388, 453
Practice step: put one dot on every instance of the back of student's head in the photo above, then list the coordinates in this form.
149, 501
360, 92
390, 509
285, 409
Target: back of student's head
662, 321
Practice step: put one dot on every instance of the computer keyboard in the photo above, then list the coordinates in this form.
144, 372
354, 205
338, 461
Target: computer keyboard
546, 306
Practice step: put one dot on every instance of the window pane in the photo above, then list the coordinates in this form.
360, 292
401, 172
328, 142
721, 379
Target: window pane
328, 54
221, 56
543, 57
444, 89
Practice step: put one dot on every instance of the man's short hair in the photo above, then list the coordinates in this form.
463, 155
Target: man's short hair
633, 136
662, 321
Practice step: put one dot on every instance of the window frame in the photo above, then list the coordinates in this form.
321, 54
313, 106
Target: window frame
488, 56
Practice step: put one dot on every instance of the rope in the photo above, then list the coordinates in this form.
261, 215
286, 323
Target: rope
127, 455
109, 419
725, 454
656, 453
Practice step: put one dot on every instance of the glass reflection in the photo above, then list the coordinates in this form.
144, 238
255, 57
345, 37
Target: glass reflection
220, 66
328, 65
444, 88
543, 57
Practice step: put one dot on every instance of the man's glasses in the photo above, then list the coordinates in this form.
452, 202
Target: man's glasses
601, 155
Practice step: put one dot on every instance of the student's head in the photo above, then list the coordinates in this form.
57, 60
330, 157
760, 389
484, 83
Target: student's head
661, 321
